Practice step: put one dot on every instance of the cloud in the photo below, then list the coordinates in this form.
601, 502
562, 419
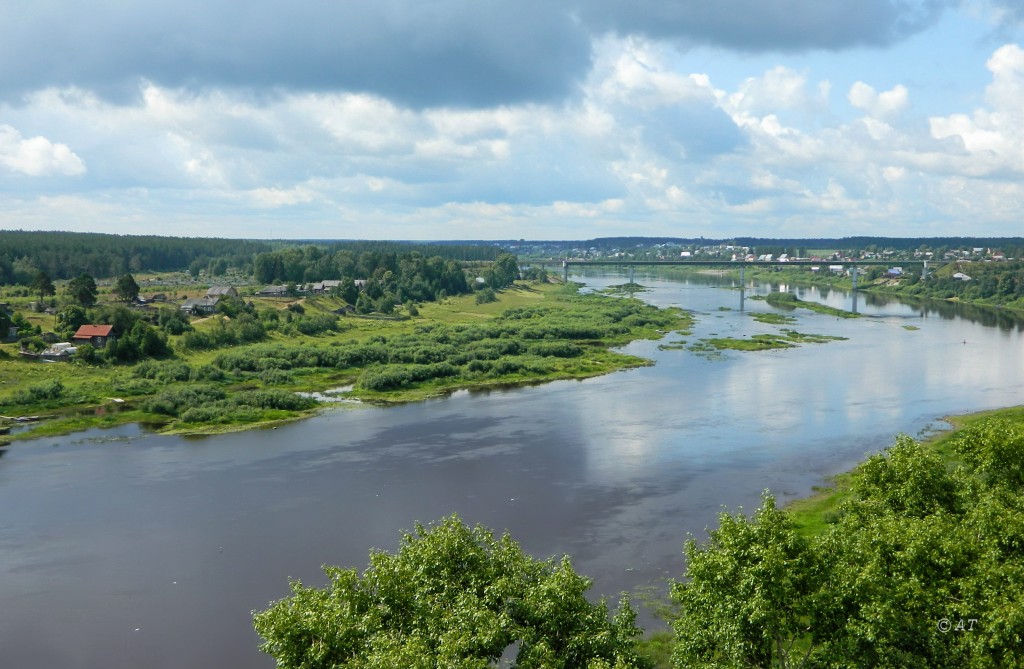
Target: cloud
755, 25
37, 156
1008, 12
444, 52
992, 137
455, 53
879, 105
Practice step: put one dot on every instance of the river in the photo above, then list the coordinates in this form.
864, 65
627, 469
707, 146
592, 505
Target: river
121, 549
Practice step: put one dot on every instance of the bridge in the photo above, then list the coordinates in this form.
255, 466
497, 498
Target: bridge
741, 265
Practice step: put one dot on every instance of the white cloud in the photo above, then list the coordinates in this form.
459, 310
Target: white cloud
992, 137
37, 156
272, 198
879, 105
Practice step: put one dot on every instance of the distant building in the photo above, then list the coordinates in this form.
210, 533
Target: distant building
273, 291
200, 305
222, 291
324, 286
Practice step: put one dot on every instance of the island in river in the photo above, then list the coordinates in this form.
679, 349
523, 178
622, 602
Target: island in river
534, 332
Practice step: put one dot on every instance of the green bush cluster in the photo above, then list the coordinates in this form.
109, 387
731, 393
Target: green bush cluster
244, 330
165, 371
210, 404
391, 377
40, 392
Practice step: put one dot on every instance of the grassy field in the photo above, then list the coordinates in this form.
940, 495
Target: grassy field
533, 333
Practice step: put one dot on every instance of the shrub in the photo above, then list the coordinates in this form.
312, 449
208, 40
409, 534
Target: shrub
40, 392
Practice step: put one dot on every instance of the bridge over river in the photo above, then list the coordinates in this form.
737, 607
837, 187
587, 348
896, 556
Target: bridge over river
741, 265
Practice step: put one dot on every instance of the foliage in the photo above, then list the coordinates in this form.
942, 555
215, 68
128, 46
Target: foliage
747, 595
64, 255
393, 273
36, 393
486, 295
994, 449
915, 571
452, 596
243, 330
82, 290
172, 321
43, 285
126, 288
199, 403
791, 301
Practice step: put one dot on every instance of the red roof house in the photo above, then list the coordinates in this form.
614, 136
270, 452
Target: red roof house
97, 335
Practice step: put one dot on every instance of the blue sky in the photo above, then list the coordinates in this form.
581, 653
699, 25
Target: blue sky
538, 119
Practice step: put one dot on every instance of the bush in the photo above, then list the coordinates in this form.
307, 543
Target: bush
40, 392
174, 401
486, 296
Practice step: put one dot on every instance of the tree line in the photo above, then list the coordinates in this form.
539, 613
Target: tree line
64, 255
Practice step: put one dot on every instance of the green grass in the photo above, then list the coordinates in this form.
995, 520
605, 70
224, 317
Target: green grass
762, 342
791, 301
773, 318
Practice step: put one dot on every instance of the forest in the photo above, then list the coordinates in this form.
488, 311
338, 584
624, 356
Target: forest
64, 255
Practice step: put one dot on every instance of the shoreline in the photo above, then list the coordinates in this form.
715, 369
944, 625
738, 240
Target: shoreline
811, 513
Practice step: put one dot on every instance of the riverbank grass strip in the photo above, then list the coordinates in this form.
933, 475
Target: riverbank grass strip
791, 301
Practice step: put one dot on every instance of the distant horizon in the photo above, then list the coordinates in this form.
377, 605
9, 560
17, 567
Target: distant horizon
512, 241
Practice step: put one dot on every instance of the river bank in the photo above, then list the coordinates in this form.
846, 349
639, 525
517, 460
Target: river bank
813, 514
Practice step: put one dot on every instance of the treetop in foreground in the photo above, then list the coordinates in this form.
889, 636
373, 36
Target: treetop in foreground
452, 596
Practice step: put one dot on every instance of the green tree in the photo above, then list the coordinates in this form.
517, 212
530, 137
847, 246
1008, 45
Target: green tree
452, 596
749, 595
82, 289
994, 449
908, 479
43, 285
126, 288
70, 319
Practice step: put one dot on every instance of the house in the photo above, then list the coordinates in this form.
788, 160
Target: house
97, 335
324, 286
894, 272
200, 305
960, 276
221, 291
273, 291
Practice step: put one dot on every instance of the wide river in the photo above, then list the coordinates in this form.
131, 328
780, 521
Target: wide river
121, 549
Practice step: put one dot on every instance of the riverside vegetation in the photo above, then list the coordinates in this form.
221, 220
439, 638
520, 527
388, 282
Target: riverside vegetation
229, 373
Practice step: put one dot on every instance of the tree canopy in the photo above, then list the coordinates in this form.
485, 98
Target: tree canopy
82, 289
126, 288
924, 567
452, 596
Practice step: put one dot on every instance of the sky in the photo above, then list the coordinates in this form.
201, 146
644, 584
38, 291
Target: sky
509, 119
